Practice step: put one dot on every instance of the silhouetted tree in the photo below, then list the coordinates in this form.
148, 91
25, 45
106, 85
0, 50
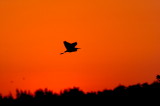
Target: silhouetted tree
134, 94
23, 97
158, 77
120, 91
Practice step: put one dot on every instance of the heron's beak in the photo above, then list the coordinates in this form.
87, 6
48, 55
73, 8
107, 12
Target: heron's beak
61, 53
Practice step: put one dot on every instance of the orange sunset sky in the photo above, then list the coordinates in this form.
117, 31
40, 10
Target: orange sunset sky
119, 41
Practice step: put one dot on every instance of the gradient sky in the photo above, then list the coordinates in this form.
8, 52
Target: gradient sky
120, 41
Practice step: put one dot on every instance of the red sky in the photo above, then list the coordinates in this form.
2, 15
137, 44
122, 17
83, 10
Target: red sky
120, 43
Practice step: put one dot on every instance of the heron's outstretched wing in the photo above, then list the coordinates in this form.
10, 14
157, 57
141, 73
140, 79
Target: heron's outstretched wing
67, 45
74, 44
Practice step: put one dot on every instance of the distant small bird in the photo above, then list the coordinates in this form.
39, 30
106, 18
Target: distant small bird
23, 78
70, 47
11, 81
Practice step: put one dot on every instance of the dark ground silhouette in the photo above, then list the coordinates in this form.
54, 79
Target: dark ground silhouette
138, 94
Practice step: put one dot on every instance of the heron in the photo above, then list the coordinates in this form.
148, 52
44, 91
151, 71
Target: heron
70, 47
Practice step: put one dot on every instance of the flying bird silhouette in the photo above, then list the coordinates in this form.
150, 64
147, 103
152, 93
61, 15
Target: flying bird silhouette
70, 47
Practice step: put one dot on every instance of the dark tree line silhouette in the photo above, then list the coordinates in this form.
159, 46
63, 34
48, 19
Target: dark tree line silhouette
134, 94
